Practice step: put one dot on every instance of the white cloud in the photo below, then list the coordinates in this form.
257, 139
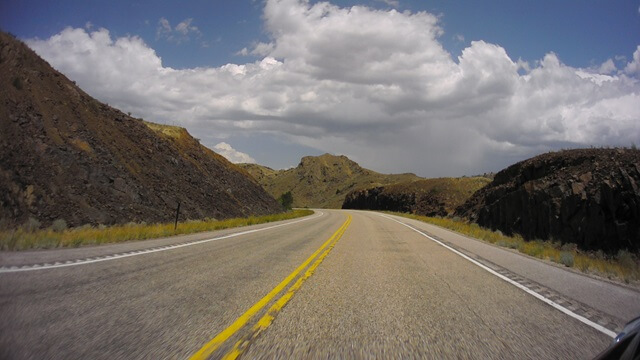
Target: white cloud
185, 27
523, 65
164, 28
607, 67
388, 95
232, 154
392, 3
178, 34
633, 67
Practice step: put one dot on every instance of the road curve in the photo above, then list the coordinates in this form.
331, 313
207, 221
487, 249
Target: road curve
378, 289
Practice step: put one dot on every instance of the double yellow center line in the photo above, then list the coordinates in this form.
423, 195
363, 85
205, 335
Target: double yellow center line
241, 345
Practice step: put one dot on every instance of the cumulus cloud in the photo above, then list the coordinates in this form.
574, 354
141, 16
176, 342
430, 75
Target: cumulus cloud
376, 85
633, 67
232, 154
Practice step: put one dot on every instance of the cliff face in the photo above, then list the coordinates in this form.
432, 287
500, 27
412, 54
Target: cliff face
429, 197
590, 197
64, 155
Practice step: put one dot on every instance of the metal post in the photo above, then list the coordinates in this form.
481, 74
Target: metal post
177, 214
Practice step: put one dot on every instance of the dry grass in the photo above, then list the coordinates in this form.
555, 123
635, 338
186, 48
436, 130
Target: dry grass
168, 130
82, 145
24, 238
623, 266
452, 192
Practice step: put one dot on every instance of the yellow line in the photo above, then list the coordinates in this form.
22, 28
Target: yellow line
223, 336
268, 318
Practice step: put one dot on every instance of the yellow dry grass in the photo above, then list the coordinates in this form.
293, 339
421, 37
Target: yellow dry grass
623, 266
82, 145
22, 239
168, 130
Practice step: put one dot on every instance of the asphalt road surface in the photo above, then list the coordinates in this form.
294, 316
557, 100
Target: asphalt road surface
337, 284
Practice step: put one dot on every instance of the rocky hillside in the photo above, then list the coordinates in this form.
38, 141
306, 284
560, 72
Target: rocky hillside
321, 181
429, 197
64, 155
590, 197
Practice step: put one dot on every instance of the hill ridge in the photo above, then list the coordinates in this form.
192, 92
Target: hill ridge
65, 155
322, 181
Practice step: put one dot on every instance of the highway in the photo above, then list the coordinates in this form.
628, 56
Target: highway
336, 284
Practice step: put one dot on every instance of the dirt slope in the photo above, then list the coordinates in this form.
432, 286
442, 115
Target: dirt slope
64, 155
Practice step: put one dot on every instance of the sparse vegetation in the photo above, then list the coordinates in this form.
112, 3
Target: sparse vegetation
31, 225
59, 225
623, 266
167, 130
28, 237
566, 258
82, 145
430, 197
321, 181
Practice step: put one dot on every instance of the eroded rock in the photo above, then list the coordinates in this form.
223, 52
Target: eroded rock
585, 196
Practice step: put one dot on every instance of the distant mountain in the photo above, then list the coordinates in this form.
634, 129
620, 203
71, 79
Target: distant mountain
321, 181
64, 155
590, 197
430, 197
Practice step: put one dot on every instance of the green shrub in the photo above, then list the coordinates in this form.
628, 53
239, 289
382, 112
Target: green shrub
507, 244
32, 224
286, 200
59, 225
570, 247
566, 258
625, 258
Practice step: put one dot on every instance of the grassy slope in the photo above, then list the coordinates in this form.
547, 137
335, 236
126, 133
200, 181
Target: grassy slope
23, 239
450, 191
321, 181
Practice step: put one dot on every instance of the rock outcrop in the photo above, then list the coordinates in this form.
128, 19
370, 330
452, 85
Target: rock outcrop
589, 197
429, 197
64, 155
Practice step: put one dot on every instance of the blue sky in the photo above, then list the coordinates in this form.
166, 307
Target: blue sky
580, 32
591, 44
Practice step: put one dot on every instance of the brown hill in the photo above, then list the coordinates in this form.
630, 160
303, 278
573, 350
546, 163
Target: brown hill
585, 196
321, 181
64, 155
430, 197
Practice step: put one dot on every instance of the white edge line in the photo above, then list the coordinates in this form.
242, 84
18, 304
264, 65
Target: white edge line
149, 251
520, 286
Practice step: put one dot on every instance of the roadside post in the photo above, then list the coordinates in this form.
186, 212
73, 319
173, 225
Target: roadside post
175, 227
